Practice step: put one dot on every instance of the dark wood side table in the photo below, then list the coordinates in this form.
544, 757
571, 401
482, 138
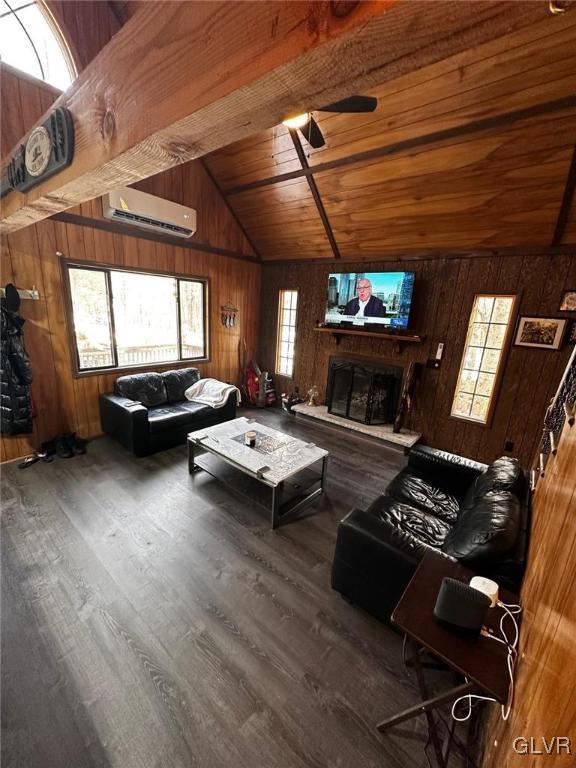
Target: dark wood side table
479, 659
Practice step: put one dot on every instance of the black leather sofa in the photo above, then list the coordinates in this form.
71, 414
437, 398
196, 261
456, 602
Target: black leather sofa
475, 513
148, 412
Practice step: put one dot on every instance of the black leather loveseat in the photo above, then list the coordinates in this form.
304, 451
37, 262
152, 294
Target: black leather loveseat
472, 512
148, 412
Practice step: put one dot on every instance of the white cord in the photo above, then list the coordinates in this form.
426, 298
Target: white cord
510, 610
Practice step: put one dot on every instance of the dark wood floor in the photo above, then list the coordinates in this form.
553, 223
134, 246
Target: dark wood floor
151, 619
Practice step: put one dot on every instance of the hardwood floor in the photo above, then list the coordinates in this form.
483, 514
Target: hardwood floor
153, 620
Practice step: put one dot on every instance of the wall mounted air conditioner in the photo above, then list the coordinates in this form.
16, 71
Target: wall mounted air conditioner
139, 209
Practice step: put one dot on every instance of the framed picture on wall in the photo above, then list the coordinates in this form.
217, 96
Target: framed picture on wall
540, 332
568, 303
572, 334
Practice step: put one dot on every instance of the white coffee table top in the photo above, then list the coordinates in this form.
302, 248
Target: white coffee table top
276, 456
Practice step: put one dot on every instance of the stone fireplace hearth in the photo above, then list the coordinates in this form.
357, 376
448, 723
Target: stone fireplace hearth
362, 396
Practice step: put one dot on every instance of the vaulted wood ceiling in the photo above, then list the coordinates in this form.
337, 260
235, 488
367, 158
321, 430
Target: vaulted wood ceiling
472, 152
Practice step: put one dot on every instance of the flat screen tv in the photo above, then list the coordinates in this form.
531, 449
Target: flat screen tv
381, 300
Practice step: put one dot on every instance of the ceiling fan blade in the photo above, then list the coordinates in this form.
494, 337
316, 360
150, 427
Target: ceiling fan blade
352, 104
312, 133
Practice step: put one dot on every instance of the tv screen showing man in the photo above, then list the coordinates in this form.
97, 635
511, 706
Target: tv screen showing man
378, 299
365, 304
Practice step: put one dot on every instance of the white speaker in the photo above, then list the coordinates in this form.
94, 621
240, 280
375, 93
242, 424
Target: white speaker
487, 586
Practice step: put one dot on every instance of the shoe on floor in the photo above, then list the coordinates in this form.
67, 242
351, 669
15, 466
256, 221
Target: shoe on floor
62, 448
76, 444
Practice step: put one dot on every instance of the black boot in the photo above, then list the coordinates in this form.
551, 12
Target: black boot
76, 444
62, 448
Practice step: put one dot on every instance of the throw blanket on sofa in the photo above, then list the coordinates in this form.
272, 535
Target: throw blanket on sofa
211, 392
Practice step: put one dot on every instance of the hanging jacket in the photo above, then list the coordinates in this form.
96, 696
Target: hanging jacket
15, 376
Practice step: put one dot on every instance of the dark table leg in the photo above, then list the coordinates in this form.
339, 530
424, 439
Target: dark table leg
279, 512
427, 705
276, 495
192, 467
324, 468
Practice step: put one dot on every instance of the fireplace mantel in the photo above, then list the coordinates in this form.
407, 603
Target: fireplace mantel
399, 339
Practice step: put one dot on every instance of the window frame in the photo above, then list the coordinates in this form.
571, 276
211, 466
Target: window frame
498, 374
70, 60
70, 56
78, 372
279, 325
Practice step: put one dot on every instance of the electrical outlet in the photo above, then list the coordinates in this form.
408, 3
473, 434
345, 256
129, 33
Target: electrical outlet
508, 445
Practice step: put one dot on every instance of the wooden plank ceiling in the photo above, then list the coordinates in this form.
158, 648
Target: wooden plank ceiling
469, 153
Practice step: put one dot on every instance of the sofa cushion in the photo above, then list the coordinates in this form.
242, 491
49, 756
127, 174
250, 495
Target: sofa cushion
487, 531
177, 382
148, 388
504, 474
175, 415
408, 528
416, 489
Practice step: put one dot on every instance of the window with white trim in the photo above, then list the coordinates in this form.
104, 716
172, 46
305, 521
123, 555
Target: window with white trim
286, 339
125, 319
31, 42
488, 332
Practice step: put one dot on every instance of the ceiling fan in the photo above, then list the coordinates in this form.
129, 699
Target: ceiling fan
310, 129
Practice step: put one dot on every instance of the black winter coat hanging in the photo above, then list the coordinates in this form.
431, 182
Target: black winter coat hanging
15, 377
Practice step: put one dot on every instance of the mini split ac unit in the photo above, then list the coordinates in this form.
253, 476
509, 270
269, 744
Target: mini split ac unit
140, 209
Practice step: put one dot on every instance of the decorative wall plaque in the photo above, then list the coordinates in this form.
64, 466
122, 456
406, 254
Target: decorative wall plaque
48, 150
38, 151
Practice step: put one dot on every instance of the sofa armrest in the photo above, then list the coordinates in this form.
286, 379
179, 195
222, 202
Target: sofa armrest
232, 399
451, 472
126, 420
367, 534
230, 406
367, 569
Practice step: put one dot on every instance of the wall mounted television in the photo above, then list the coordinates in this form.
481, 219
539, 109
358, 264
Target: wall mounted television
381, 300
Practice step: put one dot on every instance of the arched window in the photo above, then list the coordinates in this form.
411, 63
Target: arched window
31, 42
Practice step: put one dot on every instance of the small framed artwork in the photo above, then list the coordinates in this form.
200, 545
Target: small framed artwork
568, 303
572, 333
540, 332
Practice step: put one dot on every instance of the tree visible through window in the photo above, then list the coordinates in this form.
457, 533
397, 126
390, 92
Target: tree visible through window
287, 307
488, 331
125, 319
29, 43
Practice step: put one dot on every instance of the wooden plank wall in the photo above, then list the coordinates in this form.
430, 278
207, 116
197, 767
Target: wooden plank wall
188, 184
87, 26
65, 403
24, 101
29, 259
443, 296
546, 674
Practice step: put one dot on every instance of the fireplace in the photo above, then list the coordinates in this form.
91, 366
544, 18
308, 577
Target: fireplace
363, 391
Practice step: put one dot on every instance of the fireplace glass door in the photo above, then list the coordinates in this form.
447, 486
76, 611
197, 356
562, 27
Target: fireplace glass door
362, 393
359, 395
341, 386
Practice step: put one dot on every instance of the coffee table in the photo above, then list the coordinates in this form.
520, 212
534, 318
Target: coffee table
278, 473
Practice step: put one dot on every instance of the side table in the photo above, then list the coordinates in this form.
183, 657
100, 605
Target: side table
482, 661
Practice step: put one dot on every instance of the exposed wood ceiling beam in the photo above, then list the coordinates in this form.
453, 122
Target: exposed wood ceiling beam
567, 199
180, 80
475, 126
443, 253
315, 194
